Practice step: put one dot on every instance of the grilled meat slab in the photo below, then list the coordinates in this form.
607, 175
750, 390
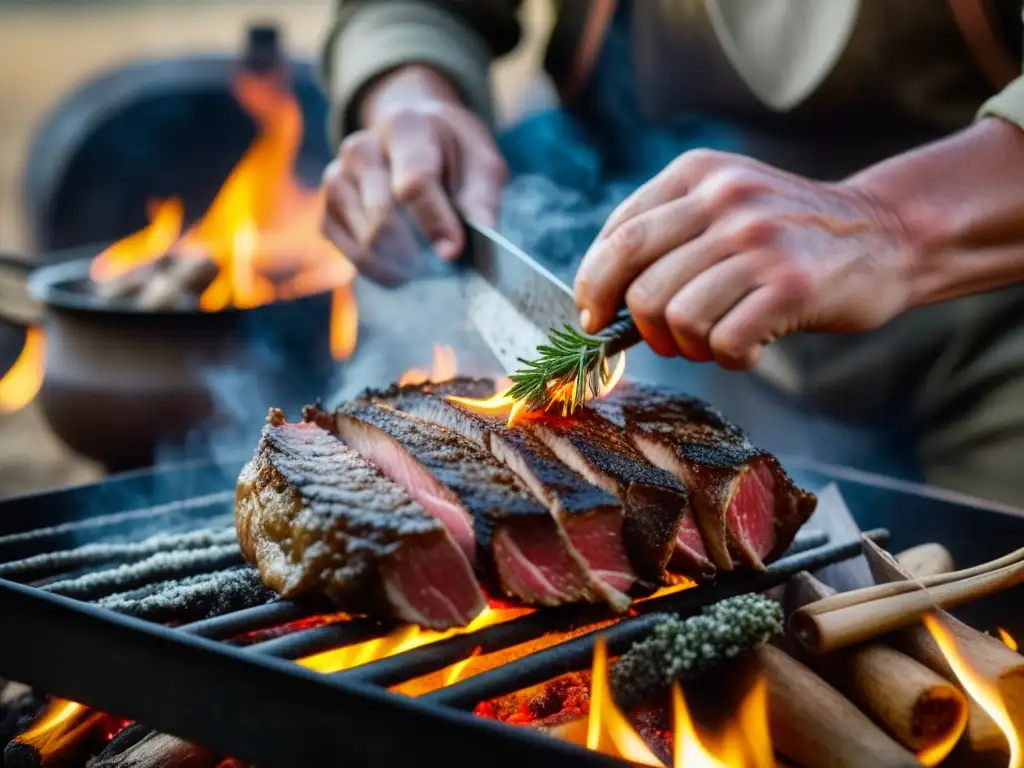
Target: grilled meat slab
747, 507
315, 517
591, 517
518, 547
658, 530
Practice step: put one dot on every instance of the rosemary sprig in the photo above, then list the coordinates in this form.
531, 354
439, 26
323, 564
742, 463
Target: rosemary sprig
570, 364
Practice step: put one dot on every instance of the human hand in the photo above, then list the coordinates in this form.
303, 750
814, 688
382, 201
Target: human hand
423, 149
719, 255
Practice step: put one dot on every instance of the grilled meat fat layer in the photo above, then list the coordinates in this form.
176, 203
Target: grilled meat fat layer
747, 507
519, 549
315, 517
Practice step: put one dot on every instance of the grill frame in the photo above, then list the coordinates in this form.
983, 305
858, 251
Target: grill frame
273, 712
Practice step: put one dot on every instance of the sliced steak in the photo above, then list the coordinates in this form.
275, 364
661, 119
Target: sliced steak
658, 529
315, 517
747, 508
519, 548
591, 517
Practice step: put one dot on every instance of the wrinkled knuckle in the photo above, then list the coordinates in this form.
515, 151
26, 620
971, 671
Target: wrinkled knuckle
729, 188
628, 239
643, 304
404, 117
795, 285
354, 148
754, 230
413, 186
697, 161
332, 172
729, 347
683, 323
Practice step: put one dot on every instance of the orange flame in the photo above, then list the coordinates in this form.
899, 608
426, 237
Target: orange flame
979, 688
262, 229
1008, 640
22, 381
62, 723
402, 639
608, 730
502, 404
443, 368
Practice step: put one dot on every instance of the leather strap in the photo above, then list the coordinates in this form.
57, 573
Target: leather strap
992, 57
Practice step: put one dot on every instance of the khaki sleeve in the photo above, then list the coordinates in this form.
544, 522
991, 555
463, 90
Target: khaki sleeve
1007, 104
370, 39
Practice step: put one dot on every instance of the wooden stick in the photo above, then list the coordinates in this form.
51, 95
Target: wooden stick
815, 725
185, 279
157, 750
919, 707
128, 284
893, 589
988, 656
926, 560
822, 632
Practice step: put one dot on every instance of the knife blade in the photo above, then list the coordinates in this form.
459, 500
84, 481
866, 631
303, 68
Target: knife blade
513, 300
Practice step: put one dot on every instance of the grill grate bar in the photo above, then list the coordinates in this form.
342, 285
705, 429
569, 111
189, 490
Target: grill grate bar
319, 639
16, 546
252, 619
576, 653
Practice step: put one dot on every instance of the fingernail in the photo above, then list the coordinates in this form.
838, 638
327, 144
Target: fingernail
446, 249
585, 320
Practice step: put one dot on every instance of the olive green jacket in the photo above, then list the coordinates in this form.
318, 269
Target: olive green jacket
932, 65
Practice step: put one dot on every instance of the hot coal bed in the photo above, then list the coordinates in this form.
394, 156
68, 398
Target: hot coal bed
149, 612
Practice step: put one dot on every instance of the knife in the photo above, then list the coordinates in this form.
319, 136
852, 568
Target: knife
513, 301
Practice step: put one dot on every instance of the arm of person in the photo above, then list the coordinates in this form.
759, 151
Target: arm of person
719, 254
371, 40
962, 201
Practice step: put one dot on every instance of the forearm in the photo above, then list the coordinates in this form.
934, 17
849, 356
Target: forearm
961, 204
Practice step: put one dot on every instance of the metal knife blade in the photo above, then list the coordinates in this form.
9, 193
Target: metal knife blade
512, 300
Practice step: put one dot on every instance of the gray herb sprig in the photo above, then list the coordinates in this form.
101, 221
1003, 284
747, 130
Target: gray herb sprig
681, 649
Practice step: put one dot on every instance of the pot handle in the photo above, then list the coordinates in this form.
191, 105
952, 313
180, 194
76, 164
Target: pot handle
17, 308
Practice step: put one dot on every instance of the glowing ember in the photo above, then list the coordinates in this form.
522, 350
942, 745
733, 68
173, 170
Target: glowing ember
979, 688
22, 381
62, 723
443, 368
402, 639
1008, 640
262, 229
501, 404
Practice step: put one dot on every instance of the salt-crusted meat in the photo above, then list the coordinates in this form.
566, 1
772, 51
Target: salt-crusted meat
315, 517
747, 507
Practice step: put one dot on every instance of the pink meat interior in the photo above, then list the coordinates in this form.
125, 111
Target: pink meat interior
534, 562
751, 511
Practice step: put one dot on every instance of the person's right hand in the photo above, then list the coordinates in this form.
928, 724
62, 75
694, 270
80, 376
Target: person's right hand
420, 148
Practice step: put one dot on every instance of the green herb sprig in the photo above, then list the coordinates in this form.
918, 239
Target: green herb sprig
571, 361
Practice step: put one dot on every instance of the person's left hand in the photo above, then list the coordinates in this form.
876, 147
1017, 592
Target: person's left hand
719, 255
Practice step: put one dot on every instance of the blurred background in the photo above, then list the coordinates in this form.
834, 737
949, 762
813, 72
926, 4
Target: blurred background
52, 48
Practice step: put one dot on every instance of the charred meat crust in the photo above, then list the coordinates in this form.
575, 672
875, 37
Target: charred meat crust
314, 517
713, 450
655, 502
487, 489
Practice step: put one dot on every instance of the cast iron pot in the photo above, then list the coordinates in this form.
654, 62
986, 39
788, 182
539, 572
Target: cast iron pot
121, 385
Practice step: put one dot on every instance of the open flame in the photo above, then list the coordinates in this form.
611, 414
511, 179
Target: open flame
443, 368
402, 639
502, 404
22, 381
744, 742
978, 687
262, 229
1008, 640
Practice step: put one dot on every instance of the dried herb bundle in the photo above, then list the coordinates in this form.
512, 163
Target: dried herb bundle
681, 649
